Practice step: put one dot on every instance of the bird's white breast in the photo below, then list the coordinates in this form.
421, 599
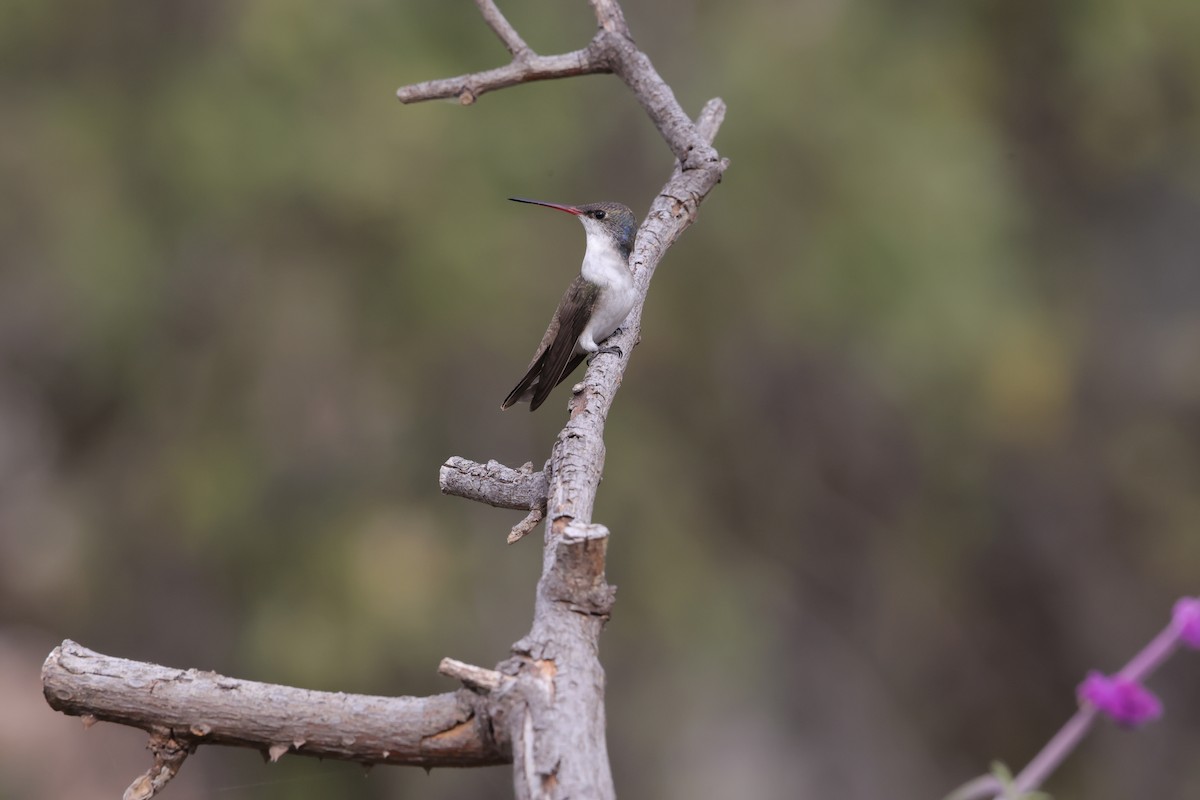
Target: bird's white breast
604, 267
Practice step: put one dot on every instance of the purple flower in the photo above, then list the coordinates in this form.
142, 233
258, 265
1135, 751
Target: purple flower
1127, 702
1186, 619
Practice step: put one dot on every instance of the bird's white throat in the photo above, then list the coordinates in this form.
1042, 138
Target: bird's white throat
602, 262
604, 266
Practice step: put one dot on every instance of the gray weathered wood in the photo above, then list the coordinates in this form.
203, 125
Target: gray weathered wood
493, 483
557, 728
444, 730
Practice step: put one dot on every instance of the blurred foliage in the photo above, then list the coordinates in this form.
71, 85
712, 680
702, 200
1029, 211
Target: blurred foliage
911, 442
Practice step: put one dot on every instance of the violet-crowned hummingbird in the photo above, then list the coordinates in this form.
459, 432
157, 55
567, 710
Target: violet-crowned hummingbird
592, 308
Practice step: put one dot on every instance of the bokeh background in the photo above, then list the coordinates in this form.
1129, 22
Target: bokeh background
912, 440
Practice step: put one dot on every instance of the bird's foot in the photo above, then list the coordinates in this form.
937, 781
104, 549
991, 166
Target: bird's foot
612, 348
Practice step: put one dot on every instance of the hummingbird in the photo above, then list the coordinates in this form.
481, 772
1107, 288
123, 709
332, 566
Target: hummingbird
592, 308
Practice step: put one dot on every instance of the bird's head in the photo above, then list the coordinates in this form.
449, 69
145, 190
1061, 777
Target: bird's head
612, 220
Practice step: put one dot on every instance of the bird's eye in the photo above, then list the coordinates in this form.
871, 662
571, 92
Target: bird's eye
597, 214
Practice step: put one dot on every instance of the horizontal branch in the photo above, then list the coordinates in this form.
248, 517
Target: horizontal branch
611, 50
443, 730
493, 483
525, 67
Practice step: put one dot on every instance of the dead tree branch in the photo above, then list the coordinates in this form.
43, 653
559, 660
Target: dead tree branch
611, 50
493, 483
445, 730
500, 486
169, 754
501, 27
543, 708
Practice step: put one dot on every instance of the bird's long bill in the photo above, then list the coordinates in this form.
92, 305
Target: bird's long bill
569, 209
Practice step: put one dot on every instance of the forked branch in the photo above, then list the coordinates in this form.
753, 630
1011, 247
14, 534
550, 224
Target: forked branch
611, 50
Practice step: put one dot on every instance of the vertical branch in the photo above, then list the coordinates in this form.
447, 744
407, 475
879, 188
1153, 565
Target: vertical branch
558, 734
559, 747
610, 16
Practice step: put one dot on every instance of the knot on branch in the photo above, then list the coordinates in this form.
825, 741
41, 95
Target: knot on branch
577, 577
605, 48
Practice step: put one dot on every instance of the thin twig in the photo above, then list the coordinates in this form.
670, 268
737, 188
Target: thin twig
468, 88
487, 680
609, 16
1064, 742
710, 119
169, 754
526, 526
501, 27
611, 50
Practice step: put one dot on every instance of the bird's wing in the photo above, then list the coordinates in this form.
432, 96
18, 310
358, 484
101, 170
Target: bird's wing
572, 317
526, 381
554, 359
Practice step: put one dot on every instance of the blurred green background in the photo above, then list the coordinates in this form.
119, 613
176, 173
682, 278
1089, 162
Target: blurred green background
912, 440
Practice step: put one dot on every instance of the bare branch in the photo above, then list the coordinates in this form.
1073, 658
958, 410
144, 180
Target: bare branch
487, 680
207, 708
526, 526
501, 27
500, 486
493, 483
558, 742
169, 754
609, 16
710, 119
468, 88
576, 574
633, 67
578, 455
611, 50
